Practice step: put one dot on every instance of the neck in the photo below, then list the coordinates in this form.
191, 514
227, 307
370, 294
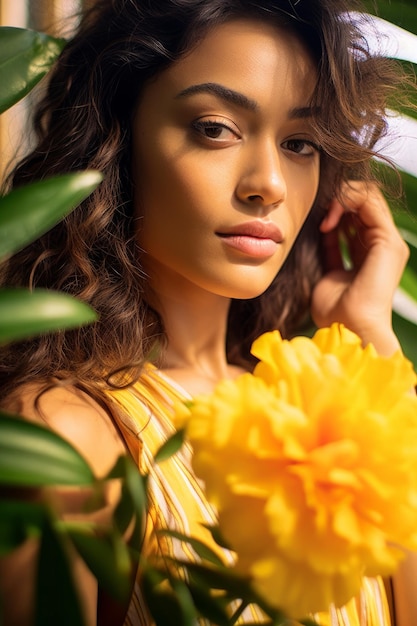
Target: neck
196, 333
196, 324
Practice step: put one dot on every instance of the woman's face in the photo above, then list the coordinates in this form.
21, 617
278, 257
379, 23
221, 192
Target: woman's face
226, 161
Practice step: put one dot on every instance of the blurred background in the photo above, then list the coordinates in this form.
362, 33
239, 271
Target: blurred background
55, 17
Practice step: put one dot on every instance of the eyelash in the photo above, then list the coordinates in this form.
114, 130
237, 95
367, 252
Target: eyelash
314, 146
202, 125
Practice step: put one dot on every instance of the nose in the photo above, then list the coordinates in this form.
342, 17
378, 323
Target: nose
262, 183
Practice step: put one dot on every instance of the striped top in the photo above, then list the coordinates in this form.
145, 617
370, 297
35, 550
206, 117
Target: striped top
177, 501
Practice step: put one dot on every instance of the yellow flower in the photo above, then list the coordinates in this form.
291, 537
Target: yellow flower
312, 465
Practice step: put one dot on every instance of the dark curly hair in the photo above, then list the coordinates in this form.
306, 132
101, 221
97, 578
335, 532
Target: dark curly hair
84, 121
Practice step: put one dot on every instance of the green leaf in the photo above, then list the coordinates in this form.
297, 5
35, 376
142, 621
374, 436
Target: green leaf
124, 511
224, 578
406, 332
57, 601
204, 552
407, 224
19, 520
410, 189
185, 601
25, 57
25, 313
402, 12
210, 606
134, 482
168, 608
215, 530
118, 470
170, 447
108, 559
133, 499
34, 456
31, 210
409, 283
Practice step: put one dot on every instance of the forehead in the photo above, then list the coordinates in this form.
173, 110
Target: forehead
252, 52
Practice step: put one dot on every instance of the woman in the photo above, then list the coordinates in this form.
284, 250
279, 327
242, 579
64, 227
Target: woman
227, 134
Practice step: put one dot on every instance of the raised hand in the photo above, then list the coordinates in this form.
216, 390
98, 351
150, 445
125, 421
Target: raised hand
360, 296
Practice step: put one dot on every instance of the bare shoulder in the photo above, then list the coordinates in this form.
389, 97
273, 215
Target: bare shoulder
77, 417
83, 422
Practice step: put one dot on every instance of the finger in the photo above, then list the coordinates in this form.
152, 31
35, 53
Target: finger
367, 201
333, 216
348, 200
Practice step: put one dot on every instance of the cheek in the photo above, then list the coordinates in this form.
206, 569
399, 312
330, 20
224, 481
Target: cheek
302, 206
169, 166
180, 187
173, 205
306, 191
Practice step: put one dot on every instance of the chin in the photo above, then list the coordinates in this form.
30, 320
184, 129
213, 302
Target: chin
247, 285
251, 289
249, 295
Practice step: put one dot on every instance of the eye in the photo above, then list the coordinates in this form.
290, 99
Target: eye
303, 147
215, 131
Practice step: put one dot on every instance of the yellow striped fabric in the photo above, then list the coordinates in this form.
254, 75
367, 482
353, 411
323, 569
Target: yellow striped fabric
144, 416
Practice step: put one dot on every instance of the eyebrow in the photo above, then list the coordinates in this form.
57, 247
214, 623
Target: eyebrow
302, 112
235, 97
222, 92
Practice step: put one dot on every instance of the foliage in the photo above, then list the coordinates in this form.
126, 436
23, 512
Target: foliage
33, 457
25, 57
400, 12
30, 211
403, 13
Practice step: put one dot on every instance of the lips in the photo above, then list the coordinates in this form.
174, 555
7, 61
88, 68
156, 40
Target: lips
256, 239
257, 229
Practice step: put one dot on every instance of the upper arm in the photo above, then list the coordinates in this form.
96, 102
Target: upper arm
76, 417
81, 421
